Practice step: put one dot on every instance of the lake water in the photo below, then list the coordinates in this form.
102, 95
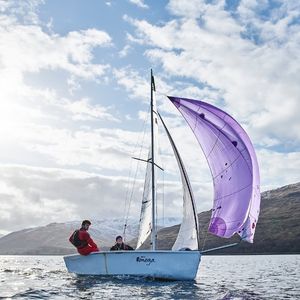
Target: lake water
220, 277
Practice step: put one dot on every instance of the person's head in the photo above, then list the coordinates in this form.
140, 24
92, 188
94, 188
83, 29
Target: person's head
86, 224
119, 240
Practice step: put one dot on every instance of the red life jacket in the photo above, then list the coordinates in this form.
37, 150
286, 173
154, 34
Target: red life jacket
76, 241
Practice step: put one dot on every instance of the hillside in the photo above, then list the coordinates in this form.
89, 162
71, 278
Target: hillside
278, 228
278, 231
53, 238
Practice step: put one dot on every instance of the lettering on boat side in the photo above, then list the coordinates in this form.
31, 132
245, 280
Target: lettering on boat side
145, 259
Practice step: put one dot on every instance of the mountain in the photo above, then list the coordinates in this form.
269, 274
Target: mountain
278, 231
53, 238
278, 228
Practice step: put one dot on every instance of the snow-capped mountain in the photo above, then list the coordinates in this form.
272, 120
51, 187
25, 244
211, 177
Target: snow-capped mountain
106, 230
54, 238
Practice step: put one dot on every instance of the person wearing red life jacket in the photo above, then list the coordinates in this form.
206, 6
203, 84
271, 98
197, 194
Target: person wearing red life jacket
82, 241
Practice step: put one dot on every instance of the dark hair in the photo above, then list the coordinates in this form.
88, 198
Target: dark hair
86, 222
119, 237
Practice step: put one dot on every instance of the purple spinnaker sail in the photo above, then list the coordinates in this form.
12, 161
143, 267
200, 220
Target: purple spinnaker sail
233, 164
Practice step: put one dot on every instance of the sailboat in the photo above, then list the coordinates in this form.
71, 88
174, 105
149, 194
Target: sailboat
235, 174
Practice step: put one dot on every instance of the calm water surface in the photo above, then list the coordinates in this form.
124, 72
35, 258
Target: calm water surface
219, 277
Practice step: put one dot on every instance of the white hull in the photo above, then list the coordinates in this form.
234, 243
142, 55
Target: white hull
174, 265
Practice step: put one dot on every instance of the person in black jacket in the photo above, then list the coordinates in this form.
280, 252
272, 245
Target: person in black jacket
119, 245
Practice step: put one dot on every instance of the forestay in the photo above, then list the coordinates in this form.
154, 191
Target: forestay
233, 164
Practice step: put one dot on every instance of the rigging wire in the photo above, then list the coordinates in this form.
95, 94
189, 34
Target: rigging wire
158, 160
205, 237
128, 199
163, 198
162, 182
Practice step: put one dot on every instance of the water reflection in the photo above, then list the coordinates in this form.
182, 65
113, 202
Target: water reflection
83, 283
129, 286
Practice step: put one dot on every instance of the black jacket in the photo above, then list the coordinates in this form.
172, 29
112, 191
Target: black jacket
123, 246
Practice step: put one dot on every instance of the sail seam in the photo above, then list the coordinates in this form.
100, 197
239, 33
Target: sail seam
214, 177
189, 110
233, 192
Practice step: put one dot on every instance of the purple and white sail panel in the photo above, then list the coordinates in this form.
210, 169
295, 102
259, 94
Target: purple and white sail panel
233, 164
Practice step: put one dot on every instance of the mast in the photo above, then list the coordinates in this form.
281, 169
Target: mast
153, 232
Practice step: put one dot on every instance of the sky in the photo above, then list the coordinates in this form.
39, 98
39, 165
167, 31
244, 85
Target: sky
75, 92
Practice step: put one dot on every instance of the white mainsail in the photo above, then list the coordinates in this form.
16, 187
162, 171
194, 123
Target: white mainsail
188, 236
145, 227
145, 216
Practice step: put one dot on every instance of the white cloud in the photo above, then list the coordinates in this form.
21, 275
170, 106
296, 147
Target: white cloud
26, 10
83, 110
133, 83
73, 84
36, 196
40, 124
102, 149
31, 117
147, 33
52, 195
187, 9
27, 48
136, 85
62, 145
257, 76
259, 82
139, 3
278, 169
124, 52
130, 37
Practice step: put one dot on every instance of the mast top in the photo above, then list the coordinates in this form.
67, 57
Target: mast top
152, 82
